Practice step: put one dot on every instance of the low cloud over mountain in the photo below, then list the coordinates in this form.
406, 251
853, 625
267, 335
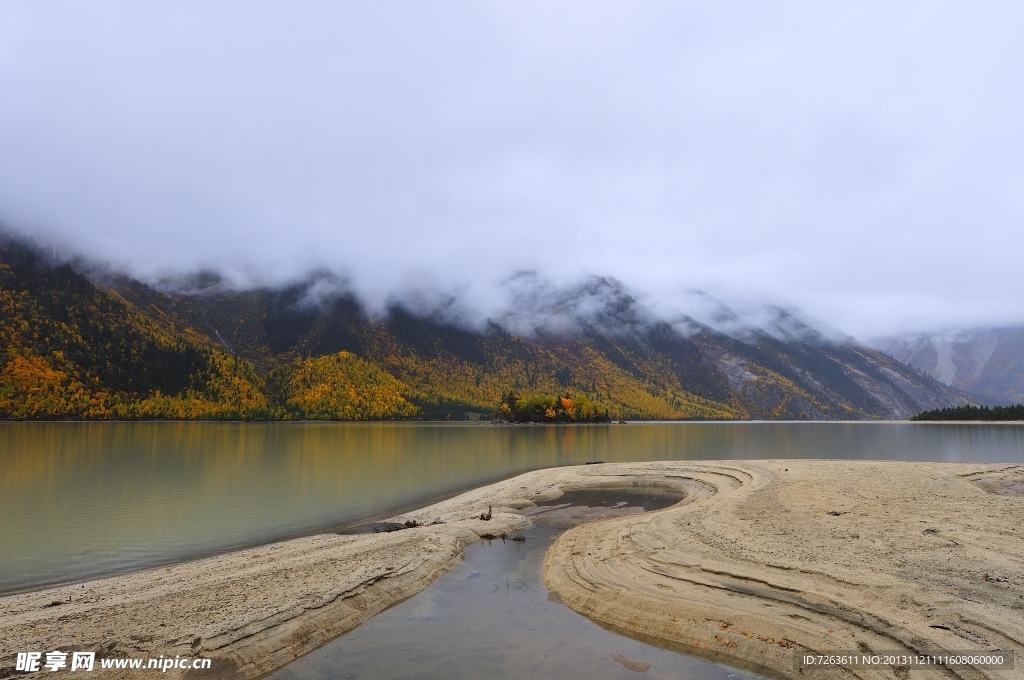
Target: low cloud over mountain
85, 342
859, 162
986, 362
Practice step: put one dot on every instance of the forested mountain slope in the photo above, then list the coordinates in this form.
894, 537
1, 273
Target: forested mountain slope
80, 343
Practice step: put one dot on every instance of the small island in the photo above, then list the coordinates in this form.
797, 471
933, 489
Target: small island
547, 408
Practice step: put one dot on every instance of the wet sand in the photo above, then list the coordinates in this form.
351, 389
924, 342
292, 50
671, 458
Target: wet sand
755, 561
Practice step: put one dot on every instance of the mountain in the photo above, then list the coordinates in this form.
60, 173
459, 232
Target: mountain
81, 342
985, 362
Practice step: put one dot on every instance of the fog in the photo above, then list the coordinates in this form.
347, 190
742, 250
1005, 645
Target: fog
863, 163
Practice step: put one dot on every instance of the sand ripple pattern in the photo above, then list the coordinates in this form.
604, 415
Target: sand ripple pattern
766, 557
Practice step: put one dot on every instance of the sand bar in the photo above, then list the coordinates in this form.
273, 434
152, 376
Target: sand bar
760, 558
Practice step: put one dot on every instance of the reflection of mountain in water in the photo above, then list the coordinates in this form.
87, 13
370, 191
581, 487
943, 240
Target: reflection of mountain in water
986, 362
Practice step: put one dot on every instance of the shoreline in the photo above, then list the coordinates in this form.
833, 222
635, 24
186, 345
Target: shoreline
333, 528
631, 421
254, 610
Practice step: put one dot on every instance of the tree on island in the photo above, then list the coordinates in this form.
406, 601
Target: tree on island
547, 408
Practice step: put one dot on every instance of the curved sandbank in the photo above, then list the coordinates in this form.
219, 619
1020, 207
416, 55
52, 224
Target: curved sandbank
757, 560
770, 557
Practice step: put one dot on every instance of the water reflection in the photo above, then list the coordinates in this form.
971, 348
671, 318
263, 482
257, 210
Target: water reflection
80, 499
491, 617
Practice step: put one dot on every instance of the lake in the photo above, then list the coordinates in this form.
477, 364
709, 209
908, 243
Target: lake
84, 499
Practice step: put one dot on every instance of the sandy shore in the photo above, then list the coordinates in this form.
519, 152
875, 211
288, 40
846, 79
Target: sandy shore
768, 557
756, 561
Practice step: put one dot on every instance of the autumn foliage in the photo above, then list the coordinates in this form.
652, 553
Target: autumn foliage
546, 408
340, 387
71, 348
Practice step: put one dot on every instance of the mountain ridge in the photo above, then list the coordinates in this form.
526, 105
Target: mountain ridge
987, 363
83, 342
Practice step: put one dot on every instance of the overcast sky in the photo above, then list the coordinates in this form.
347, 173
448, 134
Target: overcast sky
862, 161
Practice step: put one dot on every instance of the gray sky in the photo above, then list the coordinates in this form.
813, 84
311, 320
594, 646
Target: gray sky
862, 161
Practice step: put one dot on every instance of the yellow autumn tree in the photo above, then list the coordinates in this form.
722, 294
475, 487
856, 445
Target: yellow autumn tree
340, 387
30, 388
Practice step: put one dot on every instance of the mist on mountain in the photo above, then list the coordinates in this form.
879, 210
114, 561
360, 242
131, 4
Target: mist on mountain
83, 341
985, 362
858, 164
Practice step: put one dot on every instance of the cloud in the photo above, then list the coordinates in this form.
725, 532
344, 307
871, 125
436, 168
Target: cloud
864, 163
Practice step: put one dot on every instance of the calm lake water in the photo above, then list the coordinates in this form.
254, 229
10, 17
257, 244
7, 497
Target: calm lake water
83, 499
